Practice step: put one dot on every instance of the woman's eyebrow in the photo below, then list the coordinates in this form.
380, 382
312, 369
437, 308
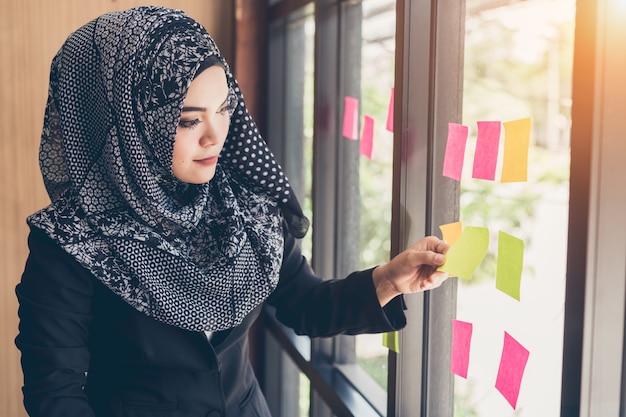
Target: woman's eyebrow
196, 108
192, 108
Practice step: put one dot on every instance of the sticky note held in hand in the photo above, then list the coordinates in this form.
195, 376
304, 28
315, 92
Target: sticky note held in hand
464, 257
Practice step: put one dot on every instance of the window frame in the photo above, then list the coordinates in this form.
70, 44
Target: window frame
429, 53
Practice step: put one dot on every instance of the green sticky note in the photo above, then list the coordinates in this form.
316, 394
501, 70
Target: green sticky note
390, 341
467, 253
510, 264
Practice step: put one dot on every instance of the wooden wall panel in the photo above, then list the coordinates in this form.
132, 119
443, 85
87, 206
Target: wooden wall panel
31, 32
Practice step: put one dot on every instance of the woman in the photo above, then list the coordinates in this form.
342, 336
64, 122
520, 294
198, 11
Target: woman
170, 225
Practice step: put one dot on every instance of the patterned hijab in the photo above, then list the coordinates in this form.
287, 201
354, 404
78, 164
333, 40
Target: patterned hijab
199, 257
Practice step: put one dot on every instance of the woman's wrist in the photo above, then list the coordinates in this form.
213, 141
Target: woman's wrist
385, 291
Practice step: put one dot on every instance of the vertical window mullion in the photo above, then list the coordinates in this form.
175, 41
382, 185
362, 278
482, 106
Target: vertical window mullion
409, 189
324, 167
429, 68
348, 157
580, 182
444, 204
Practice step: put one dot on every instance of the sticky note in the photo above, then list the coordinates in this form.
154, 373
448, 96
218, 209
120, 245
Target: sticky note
516, 142
451, 232
350, 118
510, 264
455, 151
390, 113
511, 370
461, 341
367, 138
467, 253
390, 341
486, 155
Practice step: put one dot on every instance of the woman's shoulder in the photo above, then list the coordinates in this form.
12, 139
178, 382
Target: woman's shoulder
41, 245
48, 262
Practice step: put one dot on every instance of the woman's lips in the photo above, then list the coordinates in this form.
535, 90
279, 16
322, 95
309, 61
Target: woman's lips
211, 160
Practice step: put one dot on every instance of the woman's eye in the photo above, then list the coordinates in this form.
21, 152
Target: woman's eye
188, 124
230, 105
226, 109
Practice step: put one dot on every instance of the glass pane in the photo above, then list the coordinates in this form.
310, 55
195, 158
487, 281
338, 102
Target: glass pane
375, 174
307, 132
290, 126
304, 396
518, 64
300, 57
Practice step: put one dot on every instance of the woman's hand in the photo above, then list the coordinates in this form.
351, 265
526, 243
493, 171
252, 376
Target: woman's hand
413, 270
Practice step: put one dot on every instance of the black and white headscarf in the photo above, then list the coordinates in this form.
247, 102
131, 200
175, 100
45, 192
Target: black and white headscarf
199, 257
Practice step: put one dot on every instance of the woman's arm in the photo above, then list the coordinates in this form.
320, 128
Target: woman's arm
54, 310
320, 308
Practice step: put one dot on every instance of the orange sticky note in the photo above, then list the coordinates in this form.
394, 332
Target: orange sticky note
350, 118
516, 142
390, 112
367, 138
451, 232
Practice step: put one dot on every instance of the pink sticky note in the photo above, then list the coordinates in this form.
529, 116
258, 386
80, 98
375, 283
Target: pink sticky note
486, 156
367, 138
455, 151
512, 365
390, 113
350, 118
461, 341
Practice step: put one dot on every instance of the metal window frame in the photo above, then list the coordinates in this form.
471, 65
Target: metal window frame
593, 363
430, 39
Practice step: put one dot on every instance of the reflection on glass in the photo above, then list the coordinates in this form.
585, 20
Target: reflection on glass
518, 64
377, 79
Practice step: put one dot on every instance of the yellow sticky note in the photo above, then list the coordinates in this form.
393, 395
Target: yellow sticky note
467, 253
390, 341
516, 142
451, 232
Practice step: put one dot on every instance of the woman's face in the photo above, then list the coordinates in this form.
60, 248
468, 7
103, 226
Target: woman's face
202, 128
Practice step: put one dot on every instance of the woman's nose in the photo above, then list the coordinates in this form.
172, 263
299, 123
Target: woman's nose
208, 135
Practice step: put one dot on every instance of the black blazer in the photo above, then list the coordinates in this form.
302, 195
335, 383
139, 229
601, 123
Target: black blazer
86, 352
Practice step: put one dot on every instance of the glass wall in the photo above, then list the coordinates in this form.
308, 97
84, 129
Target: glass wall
462, 62
518, 64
